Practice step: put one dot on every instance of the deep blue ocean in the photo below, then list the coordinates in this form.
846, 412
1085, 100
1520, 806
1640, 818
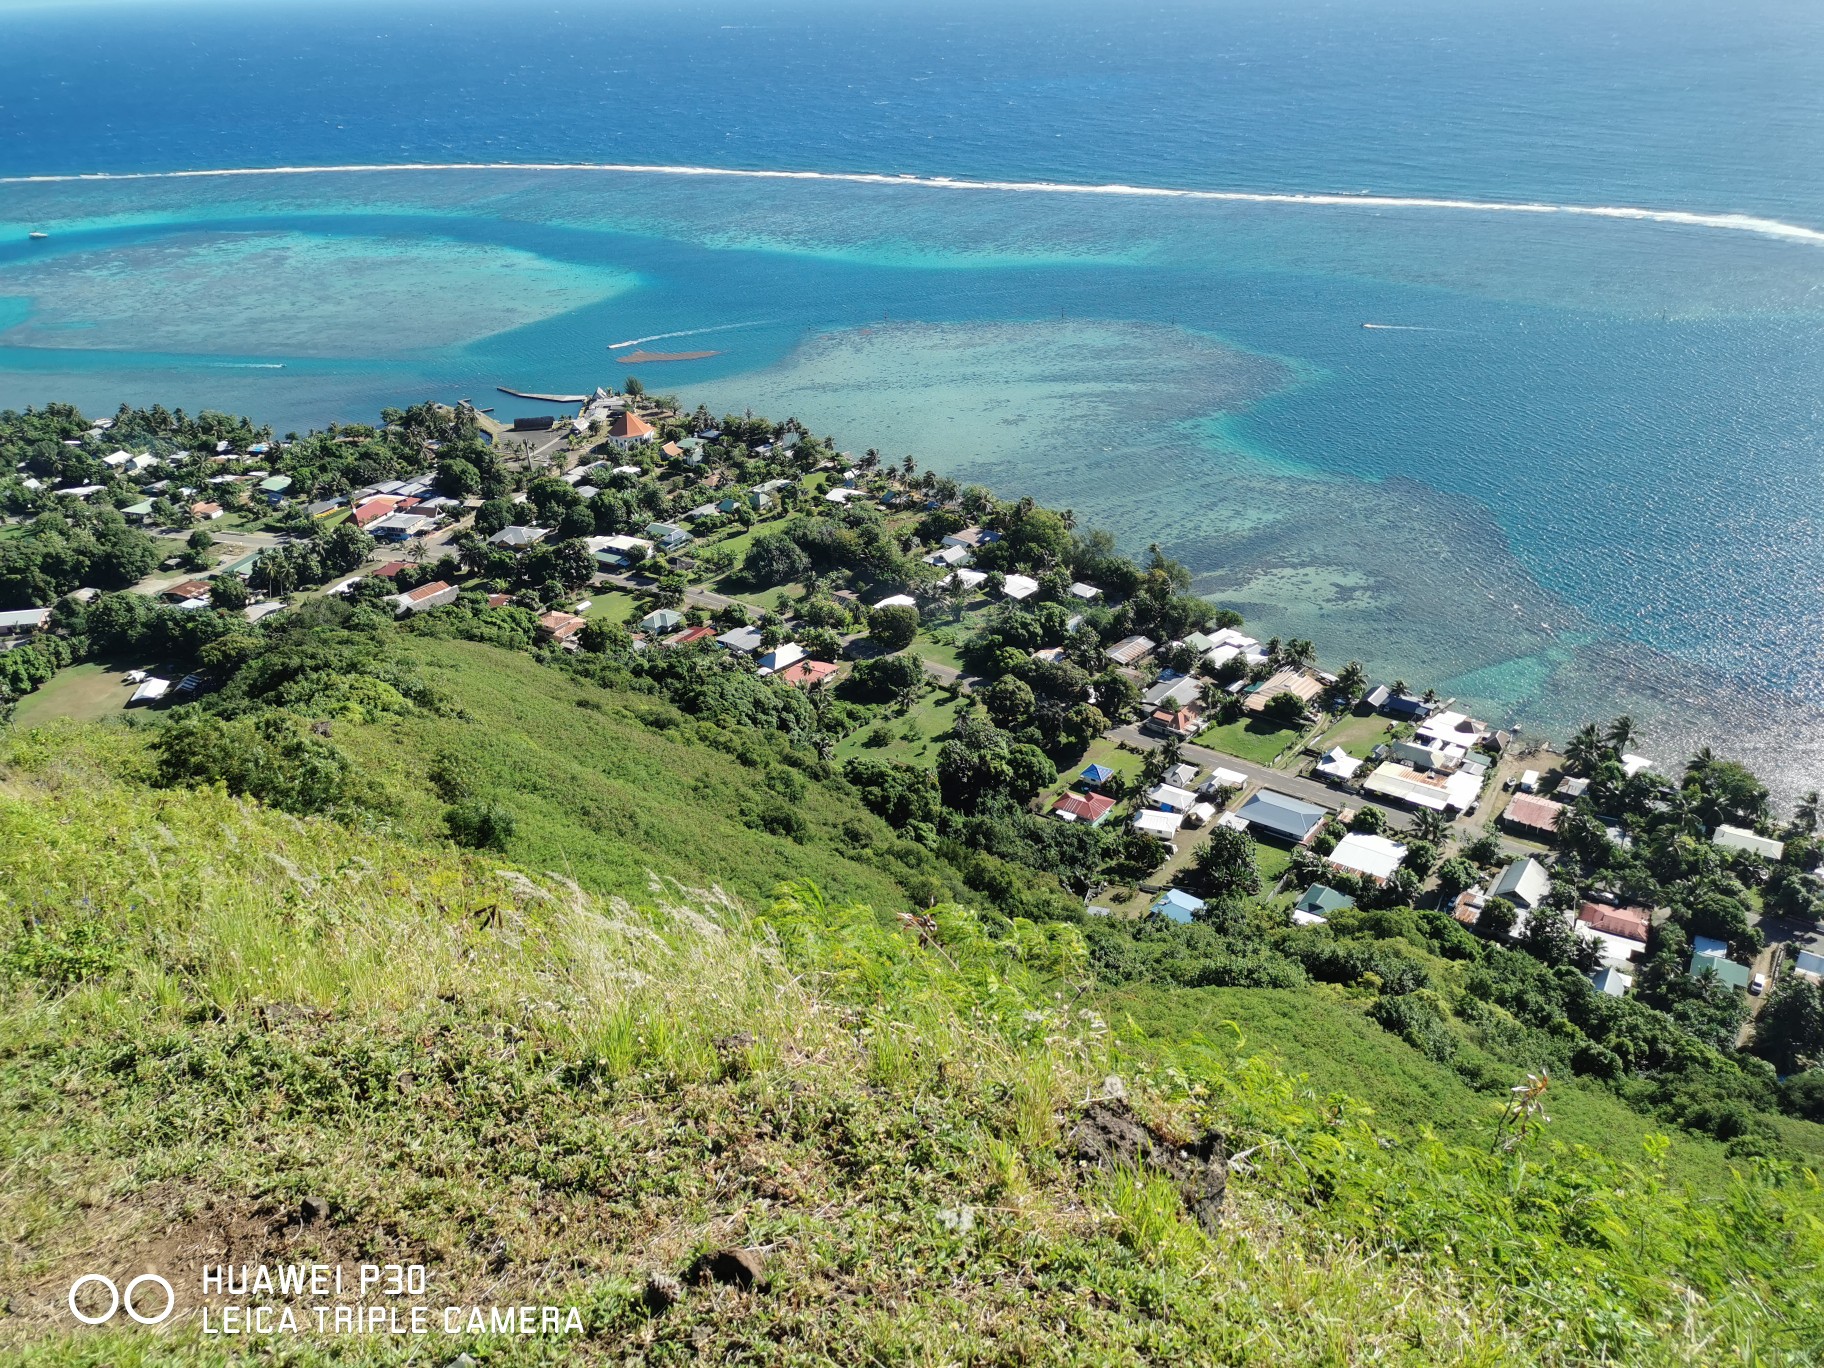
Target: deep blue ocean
1574, 470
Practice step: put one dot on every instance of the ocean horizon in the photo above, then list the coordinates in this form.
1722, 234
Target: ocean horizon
1483, 347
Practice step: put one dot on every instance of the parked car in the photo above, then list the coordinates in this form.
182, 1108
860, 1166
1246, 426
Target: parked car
1759, 985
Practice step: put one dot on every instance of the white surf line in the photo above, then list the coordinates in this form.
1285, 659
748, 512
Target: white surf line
686, 332
1742, 223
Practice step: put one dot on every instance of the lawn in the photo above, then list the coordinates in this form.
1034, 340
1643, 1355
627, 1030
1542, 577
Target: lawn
1356, 735
1101, 751
615, 606
1249, 739
84, 693
914, 736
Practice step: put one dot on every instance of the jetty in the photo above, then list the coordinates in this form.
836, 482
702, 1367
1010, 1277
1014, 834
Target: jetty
544, 398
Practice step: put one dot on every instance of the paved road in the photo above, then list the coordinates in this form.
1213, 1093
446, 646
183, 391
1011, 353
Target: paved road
1291, 784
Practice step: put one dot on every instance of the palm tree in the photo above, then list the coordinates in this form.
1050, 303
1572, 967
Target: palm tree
1297, 653
1587, 750
1621, 733
1433, 826
1806, 815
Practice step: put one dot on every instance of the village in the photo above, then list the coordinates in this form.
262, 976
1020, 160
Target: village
1346, 790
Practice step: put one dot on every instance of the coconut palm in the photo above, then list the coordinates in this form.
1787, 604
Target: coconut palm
1805, 816
1433, 826
1621, 733
1587, 750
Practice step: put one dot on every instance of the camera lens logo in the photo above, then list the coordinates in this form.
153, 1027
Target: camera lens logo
130, 1299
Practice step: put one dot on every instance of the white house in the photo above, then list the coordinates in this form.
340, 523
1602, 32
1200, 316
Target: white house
1740, 838
1362, 852
1524, 883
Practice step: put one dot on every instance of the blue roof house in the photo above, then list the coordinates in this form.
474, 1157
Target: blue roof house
1177, 906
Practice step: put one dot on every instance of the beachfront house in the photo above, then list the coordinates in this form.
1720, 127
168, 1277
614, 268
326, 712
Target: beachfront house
1300, 684
1740, 838
1441, 792
1531, 816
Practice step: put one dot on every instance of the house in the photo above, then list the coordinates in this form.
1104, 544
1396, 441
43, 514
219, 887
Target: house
948, 557
206, 512
1468, 906
972, 538
1455, 792
186, 589
668, 536
1632, 765
1096, 775
964, 577
1087, 593
1740, 838
807, 673
1302, 686
1172, 691
1524, 883
372, 510
1170, 799
1447, 729
425, 596
1199, 814
1571, 788
1221, 779
1092, 809
1164, 825
628, 429
1720, 967
1183, 723
560, 627
322, 508
1363, 852
1627, 923
398, 527
1428, 754
1808, 963
139, 512
691, 636
782, 655
897, 601
618, 552
759, 499
1182, 775
1404, 707
256, 612
662, 620
1527, 815
1319, 902
1019, 587
274, 487
1130, 649
1177, 906
1611, 981
1276, 814
24, 621
1338, 766
391, 569
741, 640
517, 538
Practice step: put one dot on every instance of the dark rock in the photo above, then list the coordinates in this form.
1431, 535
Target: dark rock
1108, 1136
743, 1268
662, 1292
313, 1209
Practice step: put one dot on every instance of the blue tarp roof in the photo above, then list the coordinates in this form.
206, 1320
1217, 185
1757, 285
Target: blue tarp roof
1097, 774
1176, 905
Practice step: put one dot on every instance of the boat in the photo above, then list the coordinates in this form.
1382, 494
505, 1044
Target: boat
39, 237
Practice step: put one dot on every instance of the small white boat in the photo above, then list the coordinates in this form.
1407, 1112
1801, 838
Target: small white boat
39, 237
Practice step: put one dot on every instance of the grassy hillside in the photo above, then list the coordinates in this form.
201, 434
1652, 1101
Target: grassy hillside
602, 791
1333, 1046
212, 1012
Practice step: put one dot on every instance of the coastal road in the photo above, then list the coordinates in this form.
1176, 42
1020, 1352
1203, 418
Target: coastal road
1294, 786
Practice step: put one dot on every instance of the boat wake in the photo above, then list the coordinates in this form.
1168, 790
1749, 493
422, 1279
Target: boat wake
686, 332
1399, 327
1740, 223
